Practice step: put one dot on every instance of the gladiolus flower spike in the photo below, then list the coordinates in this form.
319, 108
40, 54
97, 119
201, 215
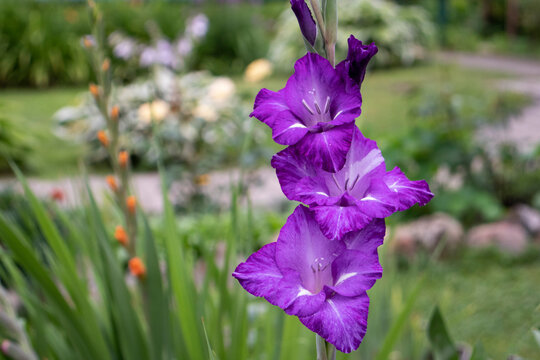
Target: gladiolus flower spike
325, 258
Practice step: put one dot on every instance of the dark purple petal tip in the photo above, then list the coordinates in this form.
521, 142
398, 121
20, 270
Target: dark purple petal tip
357, 60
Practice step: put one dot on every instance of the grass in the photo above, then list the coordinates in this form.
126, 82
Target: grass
32, 110
483, 301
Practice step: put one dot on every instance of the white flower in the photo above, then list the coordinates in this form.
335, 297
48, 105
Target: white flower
221, 89
157, 110
205, 112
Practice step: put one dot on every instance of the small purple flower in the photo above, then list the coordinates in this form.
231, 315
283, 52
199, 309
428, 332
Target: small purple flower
316, 111
197, 26
352, 197
357, 60
305, 20
322, 282
125, 49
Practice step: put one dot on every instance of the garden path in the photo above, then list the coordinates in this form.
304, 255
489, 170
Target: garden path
522, 130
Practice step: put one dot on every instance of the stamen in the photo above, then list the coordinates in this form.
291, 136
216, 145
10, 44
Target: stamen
336, 182
327, 105
346, 183
307, 107
354, 182
317, 107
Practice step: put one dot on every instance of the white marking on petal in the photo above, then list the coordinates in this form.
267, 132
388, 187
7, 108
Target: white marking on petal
367, 164
369, 198
339, 113
344, 277
297, 125
303, 292
396, 187
321, 193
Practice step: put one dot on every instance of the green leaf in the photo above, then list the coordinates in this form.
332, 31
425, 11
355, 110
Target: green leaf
394, 333
442, 344
479, 353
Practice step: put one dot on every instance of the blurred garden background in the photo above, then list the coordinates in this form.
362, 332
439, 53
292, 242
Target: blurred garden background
453, 97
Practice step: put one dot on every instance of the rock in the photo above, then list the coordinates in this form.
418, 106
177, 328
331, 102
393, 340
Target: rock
504, 235
528, 217
426, 233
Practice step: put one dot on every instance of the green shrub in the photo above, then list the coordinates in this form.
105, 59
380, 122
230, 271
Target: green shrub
35, 54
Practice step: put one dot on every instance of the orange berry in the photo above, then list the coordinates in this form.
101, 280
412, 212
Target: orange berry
123, 158
114, 112
121, 235
131, 203
137, 268
112, 183
94, 90
103, 138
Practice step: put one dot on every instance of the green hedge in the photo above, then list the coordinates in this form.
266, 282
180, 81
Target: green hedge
40, 42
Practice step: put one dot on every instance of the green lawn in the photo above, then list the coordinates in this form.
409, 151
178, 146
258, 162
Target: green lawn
483, 302
32, 111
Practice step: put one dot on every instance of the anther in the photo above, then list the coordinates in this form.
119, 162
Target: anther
327, 105
307, 107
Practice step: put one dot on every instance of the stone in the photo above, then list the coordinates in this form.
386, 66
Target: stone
528, 217
426, 233
506, 236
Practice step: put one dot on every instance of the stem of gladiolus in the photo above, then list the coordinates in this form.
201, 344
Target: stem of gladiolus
325, 350
331, 19
321, 348
318, 15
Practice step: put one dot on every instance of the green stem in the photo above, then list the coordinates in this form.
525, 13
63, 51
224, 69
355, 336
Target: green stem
325, 350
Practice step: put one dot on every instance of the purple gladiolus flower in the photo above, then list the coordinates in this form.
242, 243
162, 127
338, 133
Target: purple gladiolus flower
357, 60
315, 112
322, 282
305, 20
352, 197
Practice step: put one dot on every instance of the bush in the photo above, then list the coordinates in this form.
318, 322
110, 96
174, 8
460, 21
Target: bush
33, 53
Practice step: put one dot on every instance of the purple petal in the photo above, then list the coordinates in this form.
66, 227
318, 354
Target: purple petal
304, 249
291, 167
317, 93
342, 321
327, 149
358, 57
364, 164
305, 20
368, 239
355, 271
408, 192
267, 104
337, 220
259, 275
287, 129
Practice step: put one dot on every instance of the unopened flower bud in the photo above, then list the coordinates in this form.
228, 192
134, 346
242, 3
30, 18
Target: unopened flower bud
123, 158
137, 268
106, 65
103, 138
111, 181
94, 90
131, 203
114, 113
120, 235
